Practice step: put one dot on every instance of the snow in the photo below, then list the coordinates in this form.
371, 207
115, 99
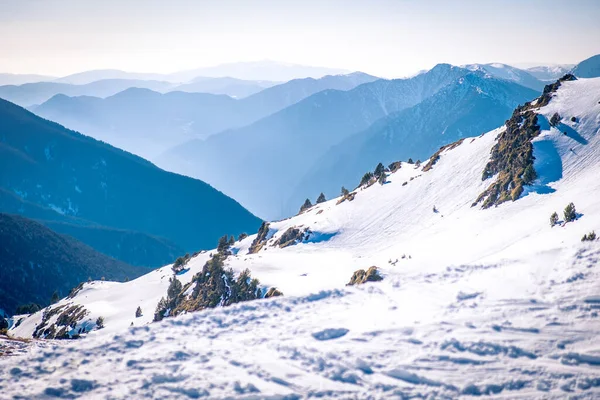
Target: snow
480, 302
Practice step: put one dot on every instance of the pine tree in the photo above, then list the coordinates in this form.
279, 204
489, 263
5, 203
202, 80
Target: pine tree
173, 291
345, 192
231, 241
589, 237
321, 198
242, 236
366, 178
570, 213
382, 179
410, 161
100, 322
223, 245
138, 312
553, 219
379, 170
529, 175
161, 309
55, 298
307, 204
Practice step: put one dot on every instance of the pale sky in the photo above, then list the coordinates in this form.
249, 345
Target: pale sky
387, 38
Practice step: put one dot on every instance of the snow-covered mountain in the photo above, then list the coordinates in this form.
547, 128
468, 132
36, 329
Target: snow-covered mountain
507, 72
277, 151
474, 301
550, 72
468, 106
589, 68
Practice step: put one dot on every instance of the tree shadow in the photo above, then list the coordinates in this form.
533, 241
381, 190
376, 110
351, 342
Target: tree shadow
572, 133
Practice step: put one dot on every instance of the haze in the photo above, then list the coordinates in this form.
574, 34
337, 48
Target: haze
382, 37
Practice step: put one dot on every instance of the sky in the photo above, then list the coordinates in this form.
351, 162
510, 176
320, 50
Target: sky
388, 38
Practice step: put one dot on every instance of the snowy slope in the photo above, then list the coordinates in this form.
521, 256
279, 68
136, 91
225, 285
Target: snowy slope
478, 302
588, 68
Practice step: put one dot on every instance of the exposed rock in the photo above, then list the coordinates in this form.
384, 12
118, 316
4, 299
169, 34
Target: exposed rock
291, 236
261, 238
350, 196
69, 316
395, 166
436, 157
273, 292
361, 276
512, 155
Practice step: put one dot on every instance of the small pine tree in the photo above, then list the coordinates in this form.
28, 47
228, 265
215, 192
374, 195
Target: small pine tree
570, 213
382, 179
379, 170
307, 204
161, 309
366, 178
321, 198
553, 219
55, 298
589, 237
231, 241
529, 175
242, 236
223, 245
138, 312
173, 291
345, 192
410, 161
100, 323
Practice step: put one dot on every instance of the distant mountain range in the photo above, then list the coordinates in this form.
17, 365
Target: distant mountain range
19, 79
274, 153
57, 175
237, 88
265, 70
148, 123
35, 262
31, 94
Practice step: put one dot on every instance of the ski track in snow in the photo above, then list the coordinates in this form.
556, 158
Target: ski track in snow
483, 303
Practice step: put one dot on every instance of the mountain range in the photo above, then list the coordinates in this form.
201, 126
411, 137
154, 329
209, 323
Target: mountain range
469, 105
148, 123
61, 177
297, 138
